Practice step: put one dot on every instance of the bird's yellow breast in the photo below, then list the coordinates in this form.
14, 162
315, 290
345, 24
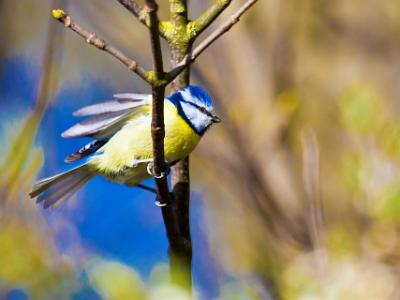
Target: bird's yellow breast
133, 143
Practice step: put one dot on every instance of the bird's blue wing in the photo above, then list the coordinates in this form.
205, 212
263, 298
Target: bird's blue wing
104, 120
86, 150
107, 117
122, 102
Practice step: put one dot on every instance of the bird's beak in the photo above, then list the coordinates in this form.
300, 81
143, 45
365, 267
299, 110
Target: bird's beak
216, 119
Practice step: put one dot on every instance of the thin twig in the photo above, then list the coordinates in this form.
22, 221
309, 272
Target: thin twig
140, 13
134, 8
101, 44
208, 17
311, 179
189, 59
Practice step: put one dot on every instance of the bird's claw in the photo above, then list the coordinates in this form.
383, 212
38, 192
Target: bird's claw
162, 173
163, 204
159, 203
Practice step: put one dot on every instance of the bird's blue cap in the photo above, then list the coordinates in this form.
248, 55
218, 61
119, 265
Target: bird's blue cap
193, 94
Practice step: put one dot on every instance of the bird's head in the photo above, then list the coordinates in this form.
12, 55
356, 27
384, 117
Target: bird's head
195, 106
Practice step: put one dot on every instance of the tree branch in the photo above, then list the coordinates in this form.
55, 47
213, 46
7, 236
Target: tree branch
139, 13
168, 207
134, 8
157, 122
180, 45
190, 58
207, 18
101, 44
152, 8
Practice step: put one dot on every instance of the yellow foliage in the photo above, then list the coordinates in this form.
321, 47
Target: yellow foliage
341, 279
115, 281
360, 108
29, 261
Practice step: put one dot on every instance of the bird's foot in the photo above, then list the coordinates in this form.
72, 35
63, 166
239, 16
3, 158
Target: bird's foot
136, 162
162, 173
160, 203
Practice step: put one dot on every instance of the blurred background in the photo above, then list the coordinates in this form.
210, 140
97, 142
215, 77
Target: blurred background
296, 195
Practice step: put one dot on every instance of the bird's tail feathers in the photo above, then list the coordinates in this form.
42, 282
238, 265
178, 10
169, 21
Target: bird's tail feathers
53, 190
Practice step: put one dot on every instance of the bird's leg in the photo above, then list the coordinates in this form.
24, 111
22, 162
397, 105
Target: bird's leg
150, 189
167, 168
146, 188
136, 162
162, 174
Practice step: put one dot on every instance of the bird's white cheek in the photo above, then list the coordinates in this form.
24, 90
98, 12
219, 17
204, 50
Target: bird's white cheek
190, 111
196, 118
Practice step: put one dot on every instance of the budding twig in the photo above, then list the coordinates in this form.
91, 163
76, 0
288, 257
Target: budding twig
93, 39
190, 58
134, 8
140, 13
208, 17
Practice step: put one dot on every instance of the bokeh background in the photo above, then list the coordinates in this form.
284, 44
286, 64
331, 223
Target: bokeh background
296, 195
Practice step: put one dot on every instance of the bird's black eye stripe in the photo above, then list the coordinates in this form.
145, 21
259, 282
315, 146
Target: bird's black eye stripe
201, 108
204, 110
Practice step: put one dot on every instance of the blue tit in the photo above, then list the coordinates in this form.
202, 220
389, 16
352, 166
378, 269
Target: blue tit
122, 145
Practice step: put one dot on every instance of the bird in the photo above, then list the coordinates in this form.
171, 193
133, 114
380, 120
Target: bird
121, 149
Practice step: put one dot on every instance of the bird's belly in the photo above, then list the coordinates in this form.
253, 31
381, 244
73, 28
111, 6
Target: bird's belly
129, 175
118, 159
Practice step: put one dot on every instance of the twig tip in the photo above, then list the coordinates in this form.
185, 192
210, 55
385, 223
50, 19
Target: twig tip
57, 13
